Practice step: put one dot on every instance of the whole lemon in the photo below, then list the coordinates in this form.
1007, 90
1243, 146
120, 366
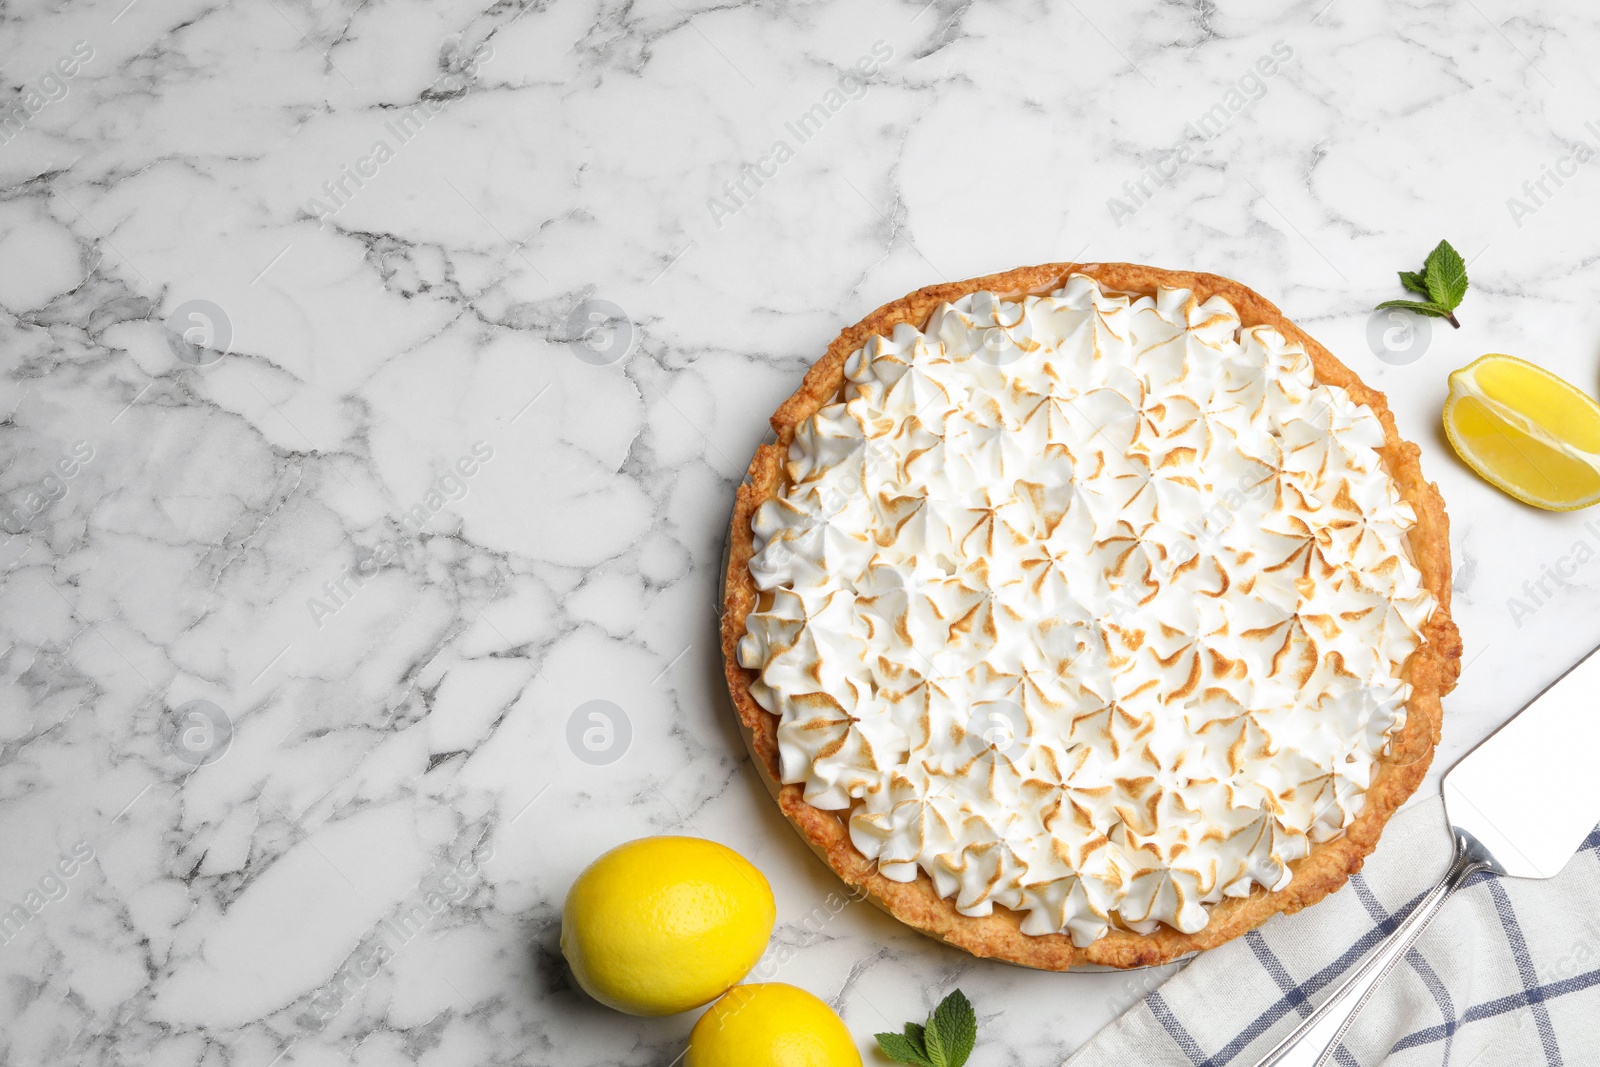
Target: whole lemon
770, 1025
665, 924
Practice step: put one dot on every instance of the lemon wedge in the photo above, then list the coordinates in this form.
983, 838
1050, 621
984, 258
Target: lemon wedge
1526, 431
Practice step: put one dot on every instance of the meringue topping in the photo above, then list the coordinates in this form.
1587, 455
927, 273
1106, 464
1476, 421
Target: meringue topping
1092, 606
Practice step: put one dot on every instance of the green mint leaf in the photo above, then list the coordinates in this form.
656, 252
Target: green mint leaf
1414, 281
1442, 279
946, 1040
1446, 276
933, 1041
1420, 307
957, 1025
901, 1050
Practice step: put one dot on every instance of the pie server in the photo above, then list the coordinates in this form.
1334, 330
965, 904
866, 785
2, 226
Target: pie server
1519, 805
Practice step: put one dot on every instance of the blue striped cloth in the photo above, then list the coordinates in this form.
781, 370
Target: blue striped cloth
1508, 974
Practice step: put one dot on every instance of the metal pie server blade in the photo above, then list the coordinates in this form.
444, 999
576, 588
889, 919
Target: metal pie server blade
1520, 804
1527, 794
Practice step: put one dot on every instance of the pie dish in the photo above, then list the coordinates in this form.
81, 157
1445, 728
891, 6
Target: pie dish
1087, 614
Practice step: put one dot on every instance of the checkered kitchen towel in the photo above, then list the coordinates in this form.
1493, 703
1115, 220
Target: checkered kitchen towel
1508, 973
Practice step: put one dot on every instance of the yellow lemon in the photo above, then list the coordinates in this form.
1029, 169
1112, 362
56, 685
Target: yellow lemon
770, 1025
1526, 431
665, 924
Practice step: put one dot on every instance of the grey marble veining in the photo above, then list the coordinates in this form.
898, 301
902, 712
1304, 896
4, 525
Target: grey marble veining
376, 380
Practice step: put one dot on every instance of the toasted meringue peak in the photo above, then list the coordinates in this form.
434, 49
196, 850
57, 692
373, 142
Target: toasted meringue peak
1090, 606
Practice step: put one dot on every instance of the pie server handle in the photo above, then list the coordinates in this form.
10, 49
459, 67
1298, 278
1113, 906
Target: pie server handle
1313, 1041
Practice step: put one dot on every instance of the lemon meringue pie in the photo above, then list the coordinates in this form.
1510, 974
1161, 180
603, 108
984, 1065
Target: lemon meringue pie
1088, 614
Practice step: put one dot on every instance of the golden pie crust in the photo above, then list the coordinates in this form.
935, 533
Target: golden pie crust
1431, 669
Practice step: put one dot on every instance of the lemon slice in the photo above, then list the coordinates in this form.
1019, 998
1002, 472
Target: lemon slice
1530, 433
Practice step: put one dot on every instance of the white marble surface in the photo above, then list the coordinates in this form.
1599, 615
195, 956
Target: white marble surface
417, 723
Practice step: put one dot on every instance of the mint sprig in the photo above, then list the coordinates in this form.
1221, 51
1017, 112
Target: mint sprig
946, 1039
1442, 279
